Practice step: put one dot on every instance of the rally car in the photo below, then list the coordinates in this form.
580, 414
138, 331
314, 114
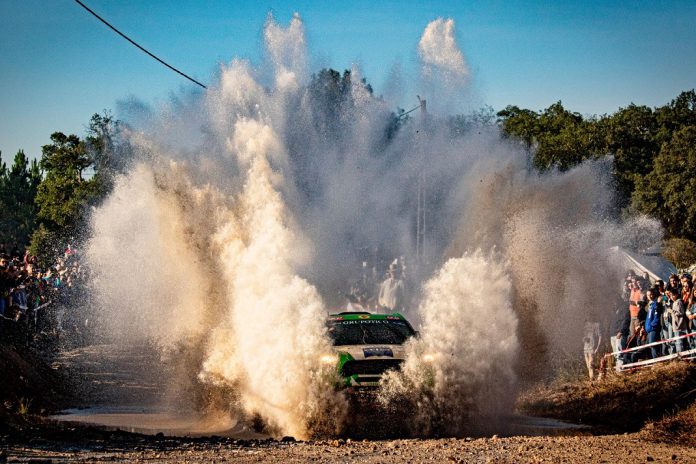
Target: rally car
366, 346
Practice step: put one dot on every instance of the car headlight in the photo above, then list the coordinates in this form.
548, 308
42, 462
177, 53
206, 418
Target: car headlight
328, 359
428, 358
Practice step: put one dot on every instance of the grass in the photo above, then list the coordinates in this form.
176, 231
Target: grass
23, 406
621, 402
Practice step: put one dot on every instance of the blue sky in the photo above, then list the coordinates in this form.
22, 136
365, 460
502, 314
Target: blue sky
59, 65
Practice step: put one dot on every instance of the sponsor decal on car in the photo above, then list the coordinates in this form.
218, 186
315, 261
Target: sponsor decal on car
378, 351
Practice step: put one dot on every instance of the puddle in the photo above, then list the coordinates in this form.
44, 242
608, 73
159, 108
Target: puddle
151, 422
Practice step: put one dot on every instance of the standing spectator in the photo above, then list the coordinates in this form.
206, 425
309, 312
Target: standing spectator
591, 342
620, 332
391, 292
690, 309
673, 283
667, 330
686, 286
646, 282
680, 323
653, 323
635, 305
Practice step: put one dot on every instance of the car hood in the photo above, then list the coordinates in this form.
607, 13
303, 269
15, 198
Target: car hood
368, 352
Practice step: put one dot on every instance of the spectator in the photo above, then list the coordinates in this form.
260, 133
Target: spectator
645, 280
686, 287
673, 283
667, 329
635, 305
653, 323
620, 332
680, 323
391, 291
591, 342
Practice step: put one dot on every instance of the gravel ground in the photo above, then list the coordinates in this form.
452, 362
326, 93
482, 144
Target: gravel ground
606, 448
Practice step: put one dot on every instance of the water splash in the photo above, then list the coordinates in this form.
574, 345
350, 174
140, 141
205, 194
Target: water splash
245, 207
463, 364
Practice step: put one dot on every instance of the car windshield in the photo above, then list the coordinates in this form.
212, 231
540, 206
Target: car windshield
370, 332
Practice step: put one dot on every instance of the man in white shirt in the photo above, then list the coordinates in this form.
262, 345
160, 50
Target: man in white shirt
391, 291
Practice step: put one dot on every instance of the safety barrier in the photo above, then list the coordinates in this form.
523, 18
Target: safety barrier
688, 353
35, 312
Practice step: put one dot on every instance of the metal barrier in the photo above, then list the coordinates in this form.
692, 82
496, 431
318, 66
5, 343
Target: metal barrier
689, 353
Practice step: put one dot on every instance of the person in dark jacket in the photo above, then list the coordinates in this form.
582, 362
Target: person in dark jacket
620, 331
653, 322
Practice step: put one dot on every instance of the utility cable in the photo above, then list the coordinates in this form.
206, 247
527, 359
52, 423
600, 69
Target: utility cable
409, 111
141, 48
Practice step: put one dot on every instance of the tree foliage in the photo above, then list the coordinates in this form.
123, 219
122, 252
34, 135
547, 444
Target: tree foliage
18, 187
78, 174
561, 139
652, 149
680, 251
64, 193
669, 190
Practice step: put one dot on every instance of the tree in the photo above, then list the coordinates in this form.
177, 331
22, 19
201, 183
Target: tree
669, 191
680, 251
630, 137
678, 113
18, 188
65, 194
102, 145
559, 138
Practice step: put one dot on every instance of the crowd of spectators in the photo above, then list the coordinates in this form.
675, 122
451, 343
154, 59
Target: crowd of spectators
652, 312
31, 297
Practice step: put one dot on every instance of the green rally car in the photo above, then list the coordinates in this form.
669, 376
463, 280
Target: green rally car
367, 345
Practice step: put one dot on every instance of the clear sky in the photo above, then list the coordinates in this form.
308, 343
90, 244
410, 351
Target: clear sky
59, 64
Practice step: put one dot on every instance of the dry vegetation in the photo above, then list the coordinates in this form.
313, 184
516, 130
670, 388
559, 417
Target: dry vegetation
661, 397
677, 428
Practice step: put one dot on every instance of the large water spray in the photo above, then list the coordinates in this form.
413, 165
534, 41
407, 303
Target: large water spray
246, 210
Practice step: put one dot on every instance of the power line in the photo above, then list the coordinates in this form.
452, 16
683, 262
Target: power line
141, 48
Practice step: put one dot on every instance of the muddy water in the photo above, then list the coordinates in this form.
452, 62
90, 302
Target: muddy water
119, 390
152, 422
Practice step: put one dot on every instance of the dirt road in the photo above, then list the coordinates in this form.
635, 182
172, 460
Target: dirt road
107, 378
609, 448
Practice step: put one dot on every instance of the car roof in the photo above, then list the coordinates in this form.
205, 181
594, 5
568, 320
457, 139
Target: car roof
359, 315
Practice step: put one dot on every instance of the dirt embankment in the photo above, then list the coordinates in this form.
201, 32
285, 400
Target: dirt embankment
29, 387
660, 402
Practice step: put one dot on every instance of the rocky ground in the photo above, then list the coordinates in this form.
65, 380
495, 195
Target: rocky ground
608, 448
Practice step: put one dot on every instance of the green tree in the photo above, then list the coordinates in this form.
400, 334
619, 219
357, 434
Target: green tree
668, 192
65, 193
559, 138
630, 137
102, 143
680, 251
18, 189
678, 113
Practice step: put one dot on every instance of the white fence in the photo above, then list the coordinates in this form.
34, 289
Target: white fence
687, 353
